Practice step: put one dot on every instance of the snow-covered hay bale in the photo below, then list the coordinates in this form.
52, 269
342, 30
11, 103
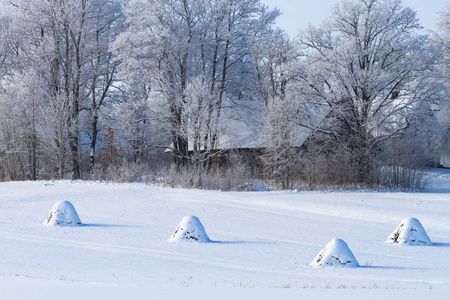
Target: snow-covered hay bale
335, 254
191, 229
62, 213
410, 232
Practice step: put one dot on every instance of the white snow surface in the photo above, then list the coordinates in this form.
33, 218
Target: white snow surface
263, 243
62, 213
190, 229
410, 232
335, 254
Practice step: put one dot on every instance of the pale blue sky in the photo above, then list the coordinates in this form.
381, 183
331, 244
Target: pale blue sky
297, 14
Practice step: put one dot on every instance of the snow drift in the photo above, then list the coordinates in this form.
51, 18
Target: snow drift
62, 213
190, 228
336, 253
410, 232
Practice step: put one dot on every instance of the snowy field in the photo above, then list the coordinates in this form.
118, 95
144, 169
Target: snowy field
262, 243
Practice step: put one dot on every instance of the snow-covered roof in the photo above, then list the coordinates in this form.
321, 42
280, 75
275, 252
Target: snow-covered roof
240, 127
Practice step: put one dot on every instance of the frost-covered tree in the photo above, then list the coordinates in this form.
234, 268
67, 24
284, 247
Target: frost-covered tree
4, 24
280, 155
50, 37
442, 40
368, 69
18, 137
271, 55
196, 114
169, 43
3, 71
61, 72
272, 60
104, 25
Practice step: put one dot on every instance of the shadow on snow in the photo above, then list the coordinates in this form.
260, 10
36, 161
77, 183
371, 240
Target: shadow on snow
240, 242
105, 225
441, 244
388, 268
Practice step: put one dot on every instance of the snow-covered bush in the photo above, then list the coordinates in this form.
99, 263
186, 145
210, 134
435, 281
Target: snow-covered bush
191, 229
252, 187
410, 232
226, 178
62, 213
336, 254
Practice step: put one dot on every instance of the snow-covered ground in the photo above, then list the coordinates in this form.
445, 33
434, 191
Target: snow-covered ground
262, 243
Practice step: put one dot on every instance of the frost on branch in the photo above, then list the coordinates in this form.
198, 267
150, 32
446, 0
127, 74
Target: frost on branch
62, 213
190, 228
335, 254
410, 232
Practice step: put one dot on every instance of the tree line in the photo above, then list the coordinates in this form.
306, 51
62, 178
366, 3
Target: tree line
124, 89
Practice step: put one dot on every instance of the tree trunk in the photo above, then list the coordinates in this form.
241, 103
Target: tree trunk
93, 142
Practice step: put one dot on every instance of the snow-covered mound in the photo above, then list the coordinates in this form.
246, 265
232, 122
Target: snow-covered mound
335, 253
62, 213
410, 232
190, 228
